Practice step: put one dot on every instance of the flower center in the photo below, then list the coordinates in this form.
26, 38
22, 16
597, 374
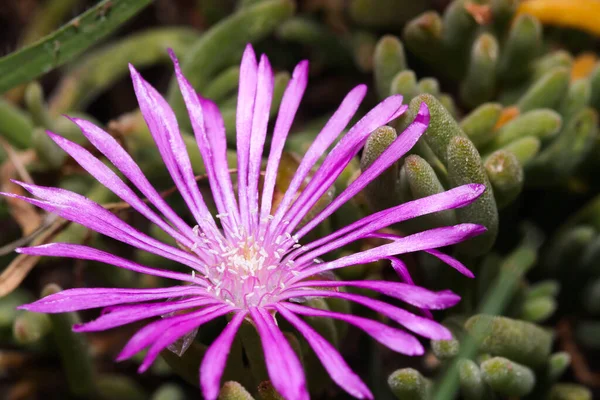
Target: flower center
246, 273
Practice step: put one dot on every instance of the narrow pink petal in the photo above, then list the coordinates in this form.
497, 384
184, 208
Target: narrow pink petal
397, 149
454, 198
451, 261
395, 339
330, 357
109, 179
409, 293
340, 156
112, 150
284, 368
430, 239
215, 358
324, 139
81, 252
287, 111
260, 120
164, 129
81, 210
400, 267
211, 143
215, 129
85, 299
243, 123
178, 330
399, 112
123, 315
420, 325
150, 333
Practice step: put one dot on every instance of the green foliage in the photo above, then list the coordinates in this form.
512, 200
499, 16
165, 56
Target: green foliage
66, 43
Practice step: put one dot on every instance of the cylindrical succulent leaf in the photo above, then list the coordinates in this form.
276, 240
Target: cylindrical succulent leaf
423, 36
507, 377
568, 150
538, 309
557, 364
546, 63
30, 327
409, 384
472, 385
546, 92
232, 390
517, 340
381, 192
522, 46
479, 124
506, 176
465, 166
479, 84
16, 126
540, 123
525, 149
429, 85
442, 126
445, 349
388, 60
422, 182
569, 391
404, 83
577, 98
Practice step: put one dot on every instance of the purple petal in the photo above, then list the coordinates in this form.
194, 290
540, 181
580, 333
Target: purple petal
284, 368
215, 358
262, 105
81, 210
340, 156
111, 149
287, 111
85, 299
215, 129
150, 333
81, 252
457, 197
324, 139
211, 139
330, 357
395, 339
422, 326
164, 129
409, 293
397, 149
109, 179
175, 331
243, 123
123, 315
430, 239
453, 262
400, 267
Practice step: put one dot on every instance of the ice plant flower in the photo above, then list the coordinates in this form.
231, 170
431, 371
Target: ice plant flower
250, 262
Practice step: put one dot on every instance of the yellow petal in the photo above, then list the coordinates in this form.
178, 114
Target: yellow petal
579, 14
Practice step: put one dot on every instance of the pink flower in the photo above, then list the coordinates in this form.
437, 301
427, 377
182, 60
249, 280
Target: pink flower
250, 262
